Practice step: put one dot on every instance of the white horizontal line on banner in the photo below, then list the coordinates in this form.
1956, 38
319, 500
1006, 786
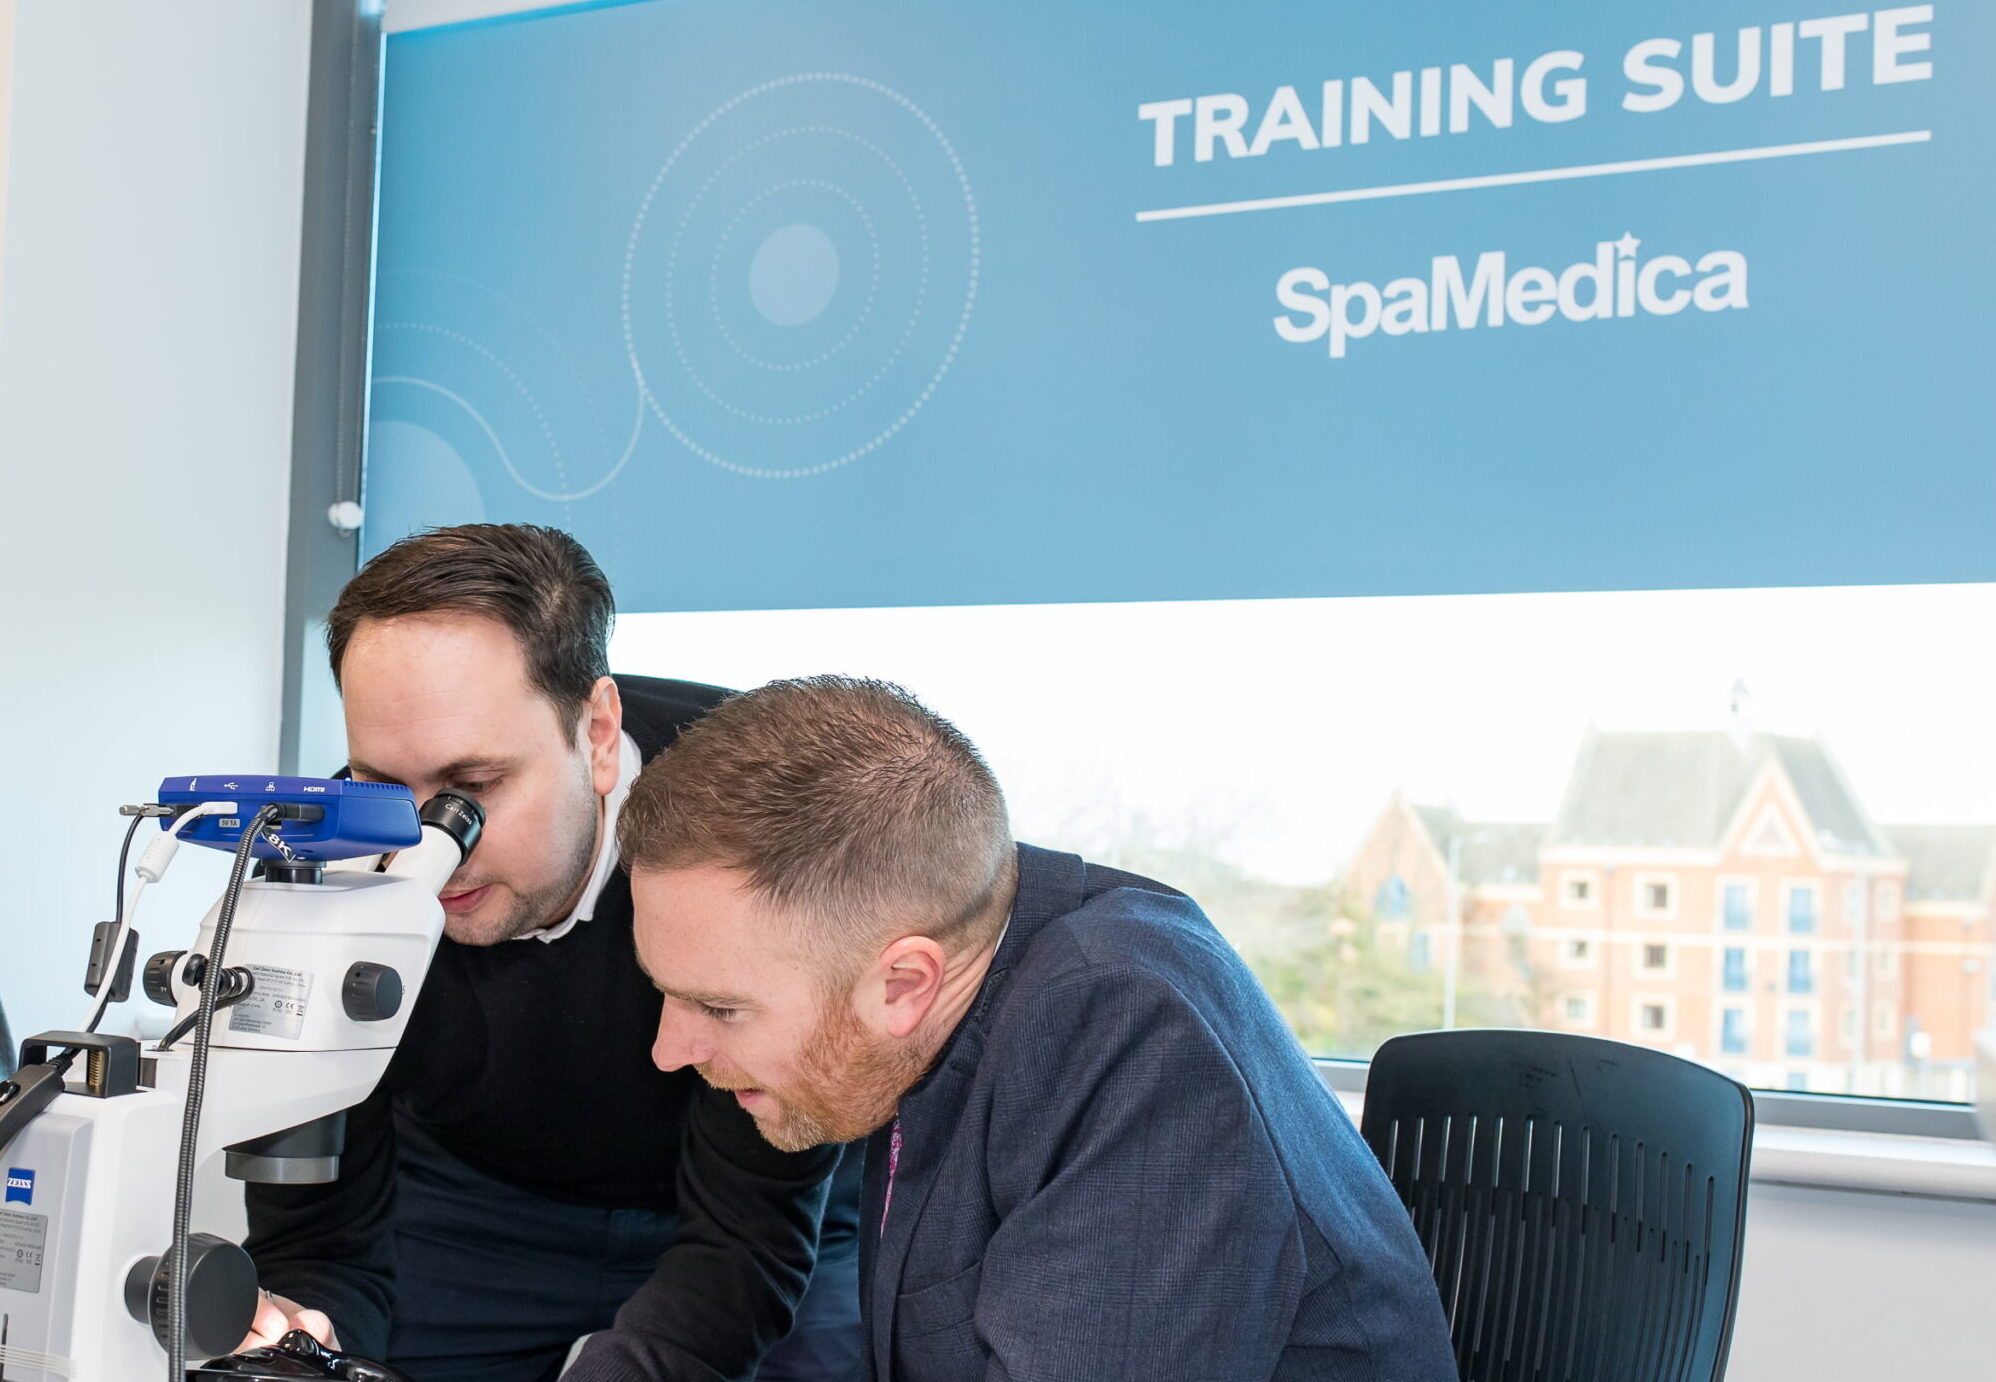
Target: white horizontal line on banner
1585, 170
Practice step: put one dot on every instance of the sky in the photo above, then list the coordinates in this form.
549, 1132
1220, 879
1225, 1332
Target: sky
1273, 731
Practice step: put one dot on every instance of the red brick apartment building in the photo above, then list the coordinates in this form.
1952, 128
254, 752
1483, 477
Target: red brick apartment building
1723, 895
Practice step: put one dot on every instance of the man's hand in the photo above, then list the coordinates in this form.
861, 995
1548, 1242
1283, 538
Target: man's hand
276, 1317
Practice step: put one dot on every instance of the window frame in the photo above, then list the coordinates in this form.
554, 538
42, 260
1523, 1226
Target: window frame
1751, 885
1777, 1108
1591, 877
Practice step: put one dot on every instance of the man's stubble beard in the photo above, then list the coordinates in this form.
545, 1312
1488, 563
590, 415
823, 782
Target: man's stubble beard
848, 1084
539, 908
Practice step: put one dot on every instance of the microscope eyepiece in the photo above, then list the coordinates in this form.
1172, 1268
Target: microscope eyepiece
458, 816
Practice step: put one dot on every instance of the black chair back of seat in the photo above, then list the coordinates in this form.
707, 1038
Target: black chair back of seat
1581, 1201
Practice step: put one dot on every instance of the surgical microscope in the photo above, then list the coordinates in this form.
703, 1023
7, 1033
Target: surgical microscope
286, 1012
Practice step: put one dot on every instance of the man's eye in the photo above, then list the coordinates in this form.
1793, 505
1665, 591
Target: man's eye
475, 787
720, 1014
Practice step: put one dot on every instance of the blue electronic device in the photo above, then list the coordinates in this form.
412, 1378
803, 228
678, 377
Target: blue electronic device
326, 818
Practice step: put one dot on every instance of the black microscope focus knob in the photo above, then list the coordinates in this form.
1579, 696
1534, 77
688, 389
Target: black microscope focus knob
221, 1295
371, 992
158, 978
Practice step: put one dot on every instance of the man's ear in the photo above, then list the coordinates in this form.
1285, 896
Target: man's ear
904, 983
603, 735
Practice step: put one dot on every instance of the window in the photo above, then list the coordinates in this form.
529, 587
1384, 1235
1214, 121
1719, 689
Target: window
1418, 958
1853, 903
1589, 855
1739, 906
1656, 894
1801, 977
1885, 962
1655, 1017
1392, 902
1734, 978
1850, 1028
1802, 908
1801, 1033
1733, 1032
1888, 900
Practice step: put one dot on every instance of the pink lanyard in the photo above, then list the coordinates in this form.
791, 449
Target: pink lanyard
893, 1165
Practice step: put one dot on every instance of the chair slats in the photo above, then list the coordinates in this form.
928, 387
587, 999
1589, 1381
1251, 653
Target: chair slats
1580, 1201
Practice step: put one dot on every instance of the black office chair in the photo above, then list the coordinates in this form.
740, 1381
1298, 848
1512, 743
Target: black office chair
1582, 1202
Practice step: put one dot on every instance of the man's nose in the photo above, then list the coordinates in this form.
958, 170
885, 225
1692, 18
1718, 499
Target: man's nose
678, 1045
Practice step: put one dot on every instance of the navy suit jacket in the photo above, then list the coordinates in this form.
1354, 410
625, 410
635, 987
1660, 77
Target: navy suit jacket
1122, 1166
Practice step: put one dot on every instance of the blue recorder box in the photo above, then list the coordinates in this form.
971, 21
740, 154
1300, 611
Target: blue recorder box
340, 819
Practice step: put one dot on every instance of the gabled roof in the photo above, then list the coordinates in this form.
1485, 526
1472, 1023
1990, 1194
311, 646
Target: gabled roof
1946, 863
1682, 790
1487, 851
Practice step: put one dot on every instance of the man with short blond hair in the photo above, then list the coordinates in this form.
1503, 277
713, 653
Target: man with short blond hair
1096, 1152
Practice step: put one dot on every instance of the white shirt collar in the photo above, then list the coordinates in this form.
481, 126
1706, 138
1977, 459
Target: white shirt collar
629, 761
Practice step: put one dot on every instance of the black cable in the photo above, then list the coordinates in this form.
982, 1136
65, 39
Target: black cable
197, 1087
124, 853
124, 935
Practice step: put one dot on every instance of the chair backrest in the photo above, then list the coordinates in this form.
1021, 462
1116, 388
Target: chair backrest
1581, 1201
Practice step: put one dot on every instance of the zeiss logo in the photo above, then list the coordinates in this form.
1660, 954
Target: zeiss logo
20, 1185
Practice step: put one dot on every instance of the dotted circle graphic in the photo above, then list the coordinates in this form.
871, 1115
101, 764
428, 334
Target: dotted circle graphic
844, 453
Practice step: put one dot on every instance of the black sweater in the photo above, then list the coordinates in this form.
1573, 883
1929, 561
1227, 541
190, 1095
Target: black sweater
531, 1062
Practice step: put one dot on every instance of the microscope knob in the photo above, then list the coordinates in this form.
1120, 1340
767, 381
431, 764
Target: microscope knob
158, 980
372, 992
221, 1295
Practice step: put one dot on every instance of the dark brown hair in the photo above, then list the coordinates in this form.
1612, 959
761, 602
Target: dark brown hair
539, 582
843, 798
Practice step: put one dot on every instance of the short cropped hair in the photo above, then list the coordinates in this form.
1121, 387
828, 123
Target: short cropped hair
539, 582
845, 799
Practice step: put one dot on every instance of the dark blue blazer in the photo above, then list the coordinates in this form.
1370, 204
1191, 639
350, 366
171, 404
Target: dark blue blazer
1122, 1166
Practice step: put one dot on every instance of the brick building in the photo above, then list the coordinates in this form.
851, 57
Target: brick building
1723, 895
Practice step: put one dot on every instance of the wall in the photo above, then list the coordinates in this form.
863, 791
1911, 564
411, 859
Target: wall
146, 347
1848, 1287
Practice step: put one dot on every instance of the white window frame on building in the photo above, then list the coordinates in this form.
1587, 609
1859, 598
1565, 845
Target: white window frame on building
1589, 1010
1590, 960
1666, 970
1746, 1029
1752, 886
1888, 900
1645, 884
1664, 1003
1791, 886
1591, 878
1746, 970
1809, 965
1815, 1017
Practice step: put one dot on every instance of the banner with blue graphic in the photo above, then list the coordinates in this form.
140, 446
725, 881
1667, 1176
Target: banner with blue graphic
824, 304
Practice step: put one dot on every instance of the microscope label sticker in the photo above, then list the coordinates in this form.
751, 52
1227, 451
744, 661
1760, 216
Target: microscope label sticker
277, 1007
22, 1239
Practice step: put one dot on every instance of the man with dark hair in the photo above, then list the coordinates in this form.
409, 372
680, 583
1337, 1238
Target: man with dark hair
523, 1176
1096, 1151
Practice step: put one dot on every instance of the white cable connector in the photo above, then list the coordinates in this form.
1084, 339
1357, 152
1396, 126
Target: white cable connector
152, 864
151, 867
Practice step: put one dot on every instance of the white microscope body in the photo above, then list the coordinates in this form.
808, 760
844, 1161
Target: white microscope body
92, 1180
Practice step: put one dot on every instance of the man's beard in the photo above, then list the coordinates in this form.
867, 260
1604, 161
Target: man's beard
848, 1083
531, 911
